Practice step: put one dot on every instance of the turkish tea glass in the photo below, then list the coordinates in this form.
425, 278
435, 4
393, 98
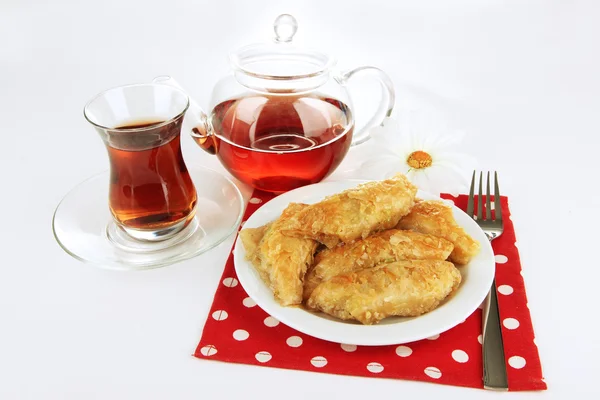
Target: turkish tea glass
151, 194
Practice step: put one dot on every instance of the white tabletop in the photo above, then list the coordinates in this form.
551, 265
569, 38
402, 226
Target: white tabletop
521, 77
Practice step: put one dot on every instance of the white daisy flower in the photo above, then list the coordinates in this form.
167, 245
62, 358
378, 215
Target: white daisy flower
420, 147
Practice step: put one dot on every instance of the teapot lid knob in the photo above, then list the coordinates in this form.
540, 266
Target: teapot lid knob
285, 28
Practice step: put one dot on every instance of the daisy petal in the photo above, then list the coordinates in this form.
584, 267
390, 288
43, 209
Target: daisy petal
379, 168
419, 178
462, 161
460, 164
442, 180
388, 134
446, 141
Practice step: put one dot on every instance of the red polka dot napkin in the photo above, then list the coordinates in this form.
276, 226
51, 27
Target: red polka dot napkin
238, 331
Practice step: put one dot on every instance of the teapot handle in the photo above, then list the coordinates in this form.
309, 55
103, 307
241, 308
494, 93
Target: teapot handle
195, 116
386, 104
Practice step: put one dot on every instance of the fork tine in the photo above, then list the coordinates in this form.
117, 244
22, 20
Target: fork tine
488, 201
480, 199
471, 202
497, 204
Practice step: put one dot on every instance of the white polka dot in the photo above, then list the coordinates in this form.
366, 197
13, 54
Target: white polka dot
375, 367
505, 289
433, 372
294, 341
271, 322
240, 335
516, 245
517, 362
255, 200
434, 337
493, 205
510, 323
501, 259
263, 356
208, 350
460, 356
348, 347
475, 217
403, 351
220, 315
248, 302
480, 339
318, 361
230, 282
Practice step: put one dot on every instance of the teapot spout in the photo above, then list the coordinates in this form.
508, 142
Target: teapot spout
196, 121
204, 139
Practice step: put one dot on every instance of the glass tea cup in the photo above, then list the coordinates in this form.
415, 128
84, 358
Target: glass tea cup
151, 194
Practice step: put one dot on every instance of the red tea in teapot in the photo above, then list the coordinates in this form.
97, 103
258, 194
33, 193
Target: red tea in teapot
281, 142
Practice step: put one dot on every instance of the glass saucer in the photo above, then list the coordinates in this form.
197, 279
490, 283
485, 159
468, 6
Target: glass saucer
84, 227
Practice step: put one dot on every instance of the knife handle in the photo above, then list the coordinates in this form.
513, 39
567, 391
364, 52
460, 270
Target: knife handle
494, 364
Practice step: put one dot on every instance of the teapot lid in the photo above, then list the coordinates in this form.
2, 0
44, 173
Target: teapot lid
281, 60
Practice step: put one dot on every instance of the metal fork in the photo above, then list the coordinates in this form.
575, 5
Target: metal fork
494, 366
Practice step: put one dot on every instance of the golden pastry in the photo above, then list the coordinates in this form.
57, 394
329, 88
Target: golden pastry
435, 218
402, 288
251, 238
281, 260
387, 246
355, 213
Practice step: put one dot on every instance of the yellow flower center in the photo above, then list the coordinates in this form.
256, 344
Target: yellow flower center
419, 159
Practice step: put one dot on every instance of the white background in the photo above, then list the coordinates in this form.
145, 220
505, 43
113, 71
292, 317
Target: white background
521, 77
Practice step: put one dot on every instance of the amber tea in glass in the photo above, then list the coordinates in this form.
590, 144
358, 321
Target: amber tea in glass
151, 194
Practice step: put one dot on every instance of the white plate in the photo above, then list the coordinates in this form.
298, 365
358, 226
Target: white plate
477, 278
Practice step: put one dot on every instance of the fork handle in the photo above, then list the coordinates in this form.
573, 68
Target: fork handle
494, 365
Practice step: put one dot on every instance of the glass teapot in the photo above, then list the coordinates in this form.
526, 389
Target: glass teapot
283, 118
